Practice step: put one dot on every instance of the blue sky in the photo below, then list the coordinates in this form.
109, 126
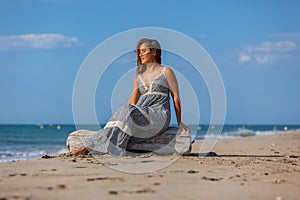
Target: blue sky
255, 45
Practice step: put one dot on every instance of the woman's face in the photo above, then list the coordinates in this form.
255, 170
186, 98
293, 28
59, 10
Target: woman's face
146, 56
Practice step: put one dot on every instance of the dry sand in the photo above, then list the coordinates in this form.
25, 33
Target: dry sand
259, 167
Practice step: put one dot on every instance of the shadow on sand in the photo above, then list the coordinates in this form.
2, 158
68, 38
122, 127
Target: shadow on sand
213, 154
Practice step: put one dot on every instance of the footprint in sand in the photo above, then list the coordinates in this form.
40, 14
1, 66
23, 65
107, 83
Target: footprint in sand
192, 172
57, 187
105, 178
113, 192
278, 181
12, 175
210, 179
140, 191
44, 170
16, 174
15, 197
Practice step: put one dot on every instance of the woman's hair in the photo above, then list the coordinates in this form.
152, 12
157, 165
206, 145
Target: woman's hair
154, 46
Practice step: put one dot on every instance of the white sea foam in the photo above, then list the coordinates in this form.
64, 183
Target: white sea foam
240, 132
11, 156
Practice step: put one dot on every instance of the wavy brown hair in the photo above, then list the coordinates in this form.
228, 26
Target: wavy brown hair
154, 46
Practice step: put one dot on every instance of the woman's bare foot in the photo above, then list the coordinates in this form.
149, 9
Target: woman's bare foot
81, 151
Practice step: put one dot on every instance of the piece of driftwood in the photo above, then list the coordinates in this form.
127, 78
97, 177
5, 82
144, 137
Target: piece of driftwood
75, 139
173, 140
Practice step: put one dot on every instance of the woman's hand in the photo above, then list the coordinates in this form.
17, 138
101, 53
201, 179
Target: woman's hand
184, 127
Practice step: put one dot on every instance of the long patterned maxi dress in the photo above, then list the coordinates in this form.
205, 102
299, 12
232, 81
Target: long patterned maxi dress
133, 123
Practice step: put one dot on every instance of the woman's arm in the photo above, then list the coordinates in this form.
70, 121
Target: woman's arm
174, 90
135, 94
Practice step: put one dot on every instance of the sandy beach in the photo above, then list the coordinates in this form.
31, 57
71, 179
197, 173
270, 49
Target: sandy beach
257, 167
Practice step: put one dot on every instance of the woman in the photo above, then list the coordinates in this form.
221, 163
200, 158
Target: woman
148, 111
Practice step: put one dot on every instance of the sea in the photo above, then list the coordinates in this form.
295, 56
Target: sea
23, 142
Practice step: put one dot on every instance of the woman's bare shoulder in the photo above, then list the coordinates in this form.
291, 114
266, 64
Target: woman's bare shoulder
168, 71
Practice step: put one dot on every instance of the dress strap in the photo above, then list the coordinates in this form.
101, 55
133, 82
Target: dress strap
163, 71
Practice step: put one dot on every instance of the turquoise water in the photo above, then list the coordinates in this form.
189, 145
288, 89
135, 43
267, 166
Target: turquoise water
22, 142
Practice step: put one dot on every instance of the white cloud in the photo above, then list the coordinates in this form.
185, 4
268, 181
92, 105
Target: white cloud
267, 52
263, 59
280, 46
244, 57
37, 41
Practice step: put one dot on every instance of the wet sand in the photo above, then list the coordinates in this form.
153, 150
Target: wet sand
257, 167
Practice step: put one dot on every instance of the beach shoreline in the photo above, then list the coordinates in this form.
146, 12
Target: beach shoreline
254, 167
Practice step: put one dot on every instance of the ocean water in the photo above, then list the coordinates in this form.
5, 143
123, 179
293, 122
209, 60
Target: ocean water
22, 142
